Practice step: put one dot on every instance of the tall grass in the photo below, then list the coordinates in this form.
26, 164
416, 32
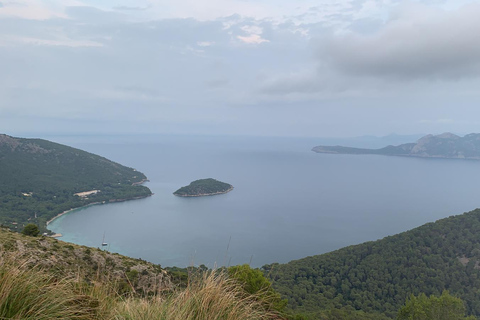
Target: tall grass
209, 296
28, 292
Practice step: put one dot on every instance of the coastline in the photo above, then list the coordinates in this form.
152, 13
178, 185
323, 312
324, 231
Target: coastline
326, 151
94, 204
204, 194
140, 182
103, 202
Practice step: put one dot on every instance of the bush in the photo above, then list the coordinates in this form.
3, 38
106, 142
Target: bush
31, 230
445, 307
254, 283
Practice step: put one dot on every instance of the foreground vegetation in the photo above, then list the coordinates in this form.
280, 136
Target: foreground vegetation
43, 278
372, 280
32, 293
40, 179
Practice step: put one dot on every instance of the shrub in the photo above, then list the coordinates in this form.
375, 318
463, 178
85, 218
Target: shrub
31, 230
254, 283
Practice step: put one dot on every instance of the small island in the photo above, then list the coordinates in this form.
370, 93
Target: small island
204, 187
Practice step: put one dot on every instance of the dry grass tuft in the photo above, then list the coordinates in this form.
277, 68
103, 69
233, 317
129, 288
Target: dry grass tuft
29, 292
209, 296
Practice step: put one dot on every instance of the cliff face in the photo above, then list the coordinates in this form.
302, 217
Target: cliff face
446, 145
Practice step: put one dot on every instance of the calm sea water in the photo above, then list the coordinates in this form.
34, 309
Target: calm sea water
288, 201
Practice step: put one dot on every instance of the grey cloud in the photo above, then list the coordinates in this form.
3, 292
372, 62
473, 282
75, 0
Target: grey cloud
138, 91
132, 8
153, 63
292, 83
416, 45
89, 15
217, 83
366, 26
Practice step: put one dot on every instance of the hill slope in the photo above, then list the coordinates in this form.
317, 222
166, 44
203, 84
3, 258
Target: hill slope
446, 145
64, 260
378, 276
40, 179
43, 278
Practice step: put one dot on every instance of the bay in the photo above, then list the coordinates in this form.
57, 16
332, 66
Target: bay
288, 201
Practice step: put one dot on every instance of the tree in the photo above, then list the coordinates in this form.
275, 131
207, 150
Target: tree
445, 307
254, 282
31, 230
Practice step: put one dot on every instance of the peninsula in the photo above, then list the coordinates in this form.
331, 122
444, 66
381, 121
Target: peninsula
446, 145
204, 187
42, 179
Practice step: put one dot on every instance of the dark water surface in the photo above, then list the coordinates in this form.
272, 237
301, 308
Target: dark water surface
288, 201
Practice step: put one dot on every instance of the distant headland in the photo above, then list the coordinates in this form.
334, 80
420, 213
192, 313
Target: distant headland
204, 187
446, 145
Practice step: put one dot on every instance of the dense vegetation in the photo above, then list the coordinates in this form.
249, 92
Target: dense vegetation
445, 145
444, 307
377, 277
40, 179
203, 187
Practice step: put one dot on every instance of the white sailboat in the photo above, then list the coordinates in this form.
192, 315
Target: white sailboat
104, 244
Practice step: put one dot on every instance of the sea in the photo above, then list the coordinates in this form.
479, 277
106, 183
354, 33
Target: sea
288, 202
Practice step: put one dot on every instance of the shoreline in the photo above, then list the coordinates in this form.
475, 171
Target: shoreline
140, 182
103, 202
394, 155
204, 194
94, 204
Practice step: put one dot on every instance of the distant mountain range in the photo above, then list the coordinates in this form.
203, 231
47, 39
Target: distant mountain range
446, 145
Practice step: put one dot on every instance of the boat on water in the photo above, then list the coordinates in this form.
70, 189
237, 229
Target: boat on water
104, 244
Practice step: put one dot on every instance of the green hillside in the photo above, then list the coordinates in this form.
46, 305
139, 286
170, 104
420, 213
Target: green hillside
377, 277
40, 179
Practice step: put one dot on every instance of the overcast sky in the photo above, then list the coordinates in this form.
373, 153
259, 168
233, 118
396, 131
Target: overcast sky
321, 68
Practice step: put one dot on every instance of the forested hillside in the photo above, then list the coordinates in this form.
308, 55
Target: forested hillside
377, 277
39, 180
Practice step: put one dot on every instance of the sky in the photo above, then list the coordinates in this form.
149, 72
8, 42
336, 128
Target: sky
320, 68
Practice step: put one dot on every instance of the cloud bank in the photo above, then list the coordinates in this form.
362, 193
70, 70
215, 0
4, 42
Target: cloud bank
417, 42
